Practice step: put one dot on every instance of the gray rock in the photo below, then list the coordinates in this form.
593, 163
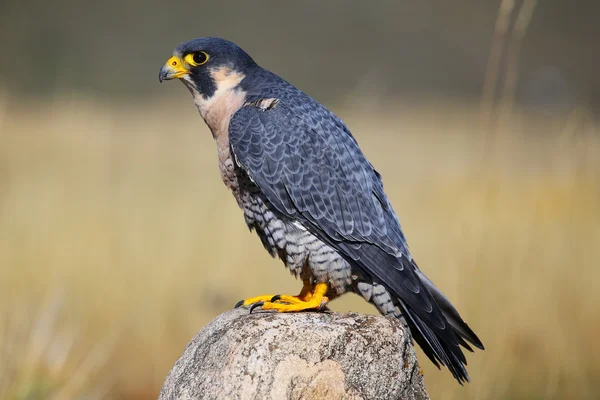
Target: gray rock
309, 355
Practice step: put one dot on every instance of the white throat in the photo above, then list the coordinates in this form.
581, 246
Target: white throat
227, 99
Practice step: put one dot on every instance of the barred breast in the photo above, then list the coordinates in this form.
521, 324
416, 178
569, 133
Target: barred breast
304, 254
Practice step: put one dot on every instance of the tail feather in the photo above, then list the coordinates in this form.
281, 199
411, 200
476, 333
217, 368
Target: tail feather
451, 314
434, 323
438, 350
464, 344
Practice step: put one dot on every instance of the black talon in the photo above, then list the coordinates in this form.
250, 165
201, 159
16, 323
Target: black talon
239, 304
255, 305
275, 298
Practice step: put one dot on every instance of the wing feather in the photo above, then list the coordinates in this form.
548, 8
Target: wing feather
309, 167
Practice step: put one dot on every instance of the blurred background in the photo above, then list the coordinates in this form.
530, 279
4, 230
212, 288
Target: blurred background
118, 241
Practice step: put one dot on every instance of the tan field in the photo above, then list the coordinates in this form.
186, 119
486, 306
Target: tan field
118, 242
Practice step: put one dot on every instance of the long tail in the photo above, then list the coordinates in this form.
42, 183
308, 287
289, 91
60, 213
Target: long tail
441, 337
440, 349
443, 349
397, 287
451, 314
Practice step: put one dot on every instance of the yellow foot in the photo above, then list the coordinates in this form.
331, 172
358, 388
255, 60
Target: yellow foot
284, 303
254, 300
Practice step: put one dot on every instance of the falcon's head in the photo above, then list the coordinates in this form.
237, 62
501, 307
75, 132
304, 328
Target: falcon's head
206, 65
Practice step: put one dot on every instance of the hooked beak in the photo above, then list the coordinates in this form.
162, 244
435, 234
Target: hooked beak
173, 68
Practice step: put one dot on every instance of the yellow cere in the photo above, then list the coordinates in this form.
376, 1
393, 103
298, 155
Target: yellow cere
176, 65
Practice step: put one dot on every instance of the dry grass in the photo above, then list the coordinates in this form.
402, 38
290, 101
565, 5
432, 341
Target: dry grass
118, 242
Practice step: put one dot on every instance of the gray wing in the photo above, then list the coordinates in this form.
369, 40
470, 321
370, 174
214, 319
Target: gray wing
309, 167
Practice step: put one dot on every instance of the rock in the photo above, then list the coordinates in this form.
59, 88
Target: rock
266, 355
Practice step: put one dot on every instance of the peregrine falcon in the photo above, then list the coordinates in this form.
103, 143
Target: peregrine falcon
312, 197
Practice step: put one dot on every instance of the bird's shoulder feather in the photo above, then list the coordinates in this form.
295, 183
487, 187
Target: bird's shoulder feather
304, 156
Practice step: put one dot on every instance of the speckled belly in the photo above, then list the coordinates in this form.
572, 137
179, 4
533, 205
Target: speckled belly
304, 254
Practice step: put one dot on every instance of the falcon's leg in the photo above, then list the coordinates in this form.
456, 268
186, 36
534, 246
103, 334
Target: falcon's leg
304, 296
316, 301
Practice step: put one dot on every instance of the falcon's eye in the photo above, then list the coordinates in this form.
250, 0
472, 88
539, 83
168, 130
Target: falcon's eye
197, 58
